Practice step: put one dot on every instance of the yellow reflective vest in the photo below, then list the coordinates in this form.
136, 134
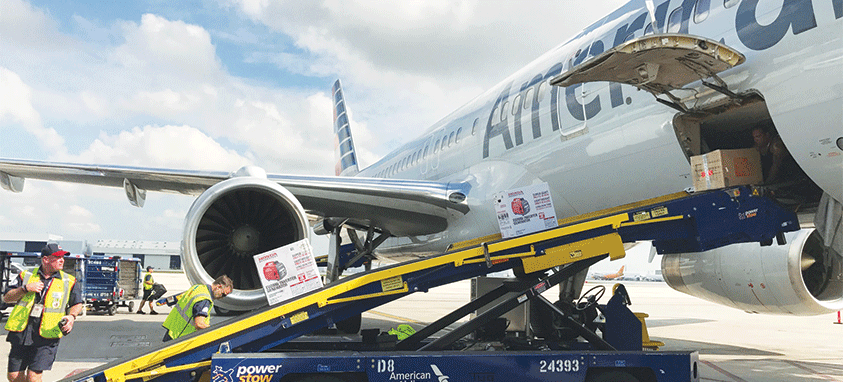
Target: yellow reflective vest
180, 320
147, 285
55, 302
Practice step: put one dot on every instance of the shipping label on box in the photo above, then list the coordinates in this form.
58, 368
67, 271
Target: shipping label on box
525, 210
726, 168
288, 271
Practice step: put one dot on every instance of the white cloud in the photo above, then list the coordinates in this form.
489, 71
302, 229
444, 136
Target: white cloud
174, 48
16, 101
181, 147
16, 107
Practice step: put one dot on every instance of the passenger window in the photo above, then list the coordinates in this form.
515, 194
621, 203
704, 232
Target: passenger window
436, 146
424, 154
730, 3
496, 114
516, 104
528, 98
674, 22
504, 107
701, 10
450, 139
474, 126
444, 142
540, 91
457, 138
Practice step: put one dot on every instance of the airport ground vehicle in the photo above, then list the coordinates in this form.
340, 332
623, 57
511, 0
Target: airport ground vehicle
276, 343
107, 282
111, 282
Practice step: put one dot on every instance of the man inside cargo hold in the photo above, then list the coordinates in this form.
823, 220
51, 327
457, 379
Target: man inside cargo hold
775, 160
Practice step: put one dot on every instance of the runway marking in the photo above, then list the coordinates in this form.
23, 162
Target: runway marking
724, 372
812, 371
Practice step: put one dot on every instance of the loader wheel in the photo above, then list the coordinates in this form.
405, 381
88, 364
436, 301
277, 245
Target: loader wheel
131, 306
350, 325
112, 309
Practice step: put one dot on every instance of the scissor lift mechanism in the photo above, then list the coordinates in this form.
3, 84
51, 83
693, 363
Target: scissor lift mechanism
675, 223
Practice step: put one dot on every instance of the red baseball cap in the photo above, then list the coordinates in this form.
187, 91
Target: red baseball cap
53, 250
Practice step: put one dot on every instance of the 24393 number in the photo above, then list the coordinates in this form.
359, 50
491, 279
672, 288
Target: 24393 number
559, 366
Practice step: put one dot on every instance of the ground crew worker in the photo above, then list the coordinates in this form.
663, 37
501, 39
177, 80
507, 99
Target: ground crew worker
777, 165
45, 298
192, 311
148, 283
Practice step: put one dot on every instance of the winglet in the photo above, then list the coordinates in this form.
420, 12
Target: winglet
344, 153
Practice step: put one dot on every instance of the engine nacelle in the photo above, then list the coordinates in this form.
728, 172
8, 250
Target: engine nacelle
800, 278
230, 223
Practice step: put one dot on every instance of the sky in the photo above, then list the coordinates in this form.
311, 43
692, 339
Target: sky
218, 84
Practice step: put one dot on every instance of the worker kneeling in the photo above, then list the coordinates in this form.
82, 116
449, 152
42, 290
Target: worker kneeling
193, 309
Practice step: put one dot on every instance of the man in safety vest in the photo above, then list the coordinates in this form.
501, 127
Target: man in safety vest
148, 283
193, 309
48, 301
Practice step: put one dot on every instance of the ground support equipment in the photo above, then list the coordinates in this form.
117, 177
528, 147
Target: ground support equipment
110, 282
675, 223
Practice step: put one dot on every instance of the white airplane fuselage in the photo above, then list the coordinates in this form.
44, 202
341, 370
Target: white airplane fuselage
600, 145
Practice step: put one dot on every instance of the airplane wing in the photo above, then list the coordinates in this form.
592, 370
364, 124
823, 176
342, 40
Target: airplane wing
402, 207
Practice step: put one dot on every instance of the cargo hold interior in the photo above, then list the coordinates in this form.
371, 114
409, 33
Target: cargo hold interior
728, 124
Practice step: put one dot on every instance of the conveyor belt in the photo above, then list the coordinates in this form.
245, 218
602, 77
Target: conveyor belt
678, 223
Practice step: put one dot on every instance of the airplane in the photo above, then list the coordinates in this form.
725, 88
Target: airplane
608, 276
649, 275
610, 116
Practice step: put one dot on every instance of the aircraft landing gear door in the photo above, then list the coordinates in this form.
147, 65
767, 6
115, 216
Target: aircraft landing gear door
659, 64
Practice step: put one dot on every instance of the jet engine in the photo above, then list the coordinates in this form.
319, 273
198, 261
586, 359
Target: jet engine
230, 223
799, 278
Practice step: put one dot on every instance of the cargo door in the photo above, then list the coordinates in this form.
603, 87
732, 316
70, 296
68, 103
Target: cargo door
658, 64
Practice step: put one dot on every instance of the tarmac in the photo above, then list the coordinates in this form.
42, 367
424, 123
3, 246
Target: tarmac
733, 345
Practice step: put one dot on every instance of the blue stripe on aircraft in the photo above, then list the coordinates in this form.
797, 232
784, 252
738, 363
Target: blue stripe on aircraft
343, 132
345, 147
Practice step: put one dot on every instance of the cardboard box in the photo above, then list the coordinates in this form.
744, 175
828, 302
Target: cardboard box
726, 168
